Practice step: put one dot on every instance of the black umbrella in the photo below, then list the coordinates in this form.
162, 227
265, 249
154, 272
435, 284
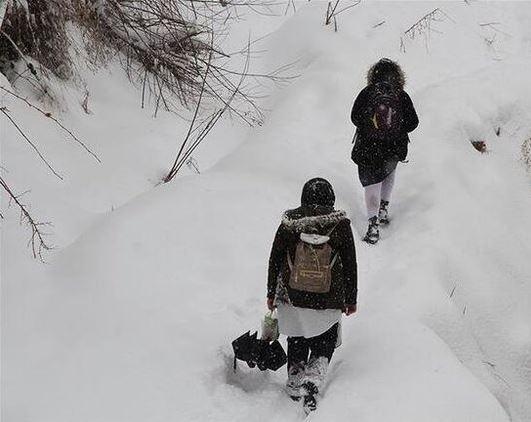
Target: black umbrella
257, 352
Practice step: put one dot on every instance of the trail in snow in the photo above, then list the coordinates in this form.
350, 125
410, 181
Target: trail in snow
133, 320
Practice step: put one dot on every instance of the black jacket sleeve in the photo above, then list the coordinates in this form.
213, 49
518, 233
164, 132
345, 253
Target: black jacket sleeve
357, 115
347, 252
411, 120
276, 260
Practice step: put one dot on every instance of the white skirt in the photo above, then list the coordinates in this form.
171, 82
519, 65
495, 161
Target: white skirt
303, 322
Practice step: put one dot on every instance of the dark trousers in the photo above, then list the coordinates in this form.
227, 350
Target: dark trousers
300, 349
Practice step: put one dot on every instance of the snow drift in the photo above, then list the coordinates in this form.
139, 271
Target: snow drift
132, 318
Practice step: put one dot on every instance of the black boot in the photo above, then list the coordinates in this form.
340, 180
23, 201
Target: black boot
373, 234
294, 383
383, 214
310, 399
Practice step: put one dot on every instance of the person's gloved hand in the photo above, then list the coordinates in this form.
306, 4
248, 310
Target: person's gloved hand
270, 303
350, 309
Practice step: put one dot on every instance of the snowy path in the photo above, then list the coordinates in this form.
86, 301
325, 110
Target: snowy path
133, 321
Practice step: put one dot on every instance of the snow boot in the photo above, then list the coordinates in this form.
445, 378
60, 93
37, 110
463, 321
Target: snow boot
373, 234
314, 377
294, 383
310, 397
383, 213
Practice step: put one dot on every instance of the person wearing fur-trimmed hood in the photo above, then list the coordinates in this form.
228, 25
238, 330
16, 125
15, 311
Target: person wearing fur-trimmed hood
309, 317
383, 114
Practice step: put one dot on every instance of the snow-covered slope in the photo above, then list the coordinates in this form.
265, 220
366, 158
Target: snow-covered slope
132, 319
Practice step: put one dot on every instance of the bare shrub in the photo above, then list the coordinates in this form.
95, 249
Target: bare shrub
37, 29
425, 23
164, 45
167, 45
424, 26
161, 49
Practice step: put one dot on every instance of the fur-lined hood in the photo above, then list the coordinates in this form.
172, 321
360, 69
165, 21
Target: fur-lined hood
299, 222
386, 70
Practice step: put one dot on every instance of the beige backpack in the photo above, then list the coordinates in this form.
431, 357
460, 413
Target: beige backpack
312, 269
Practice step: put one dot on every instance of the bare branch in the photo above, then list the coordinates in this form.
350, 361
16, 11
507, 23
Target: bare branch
37, 240
173, 170
423, 25
332, 12
4, 111
197, 132
51, 117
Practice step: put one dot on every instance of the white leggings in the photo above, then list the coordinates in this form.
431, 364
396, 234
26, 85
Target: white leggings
378, 191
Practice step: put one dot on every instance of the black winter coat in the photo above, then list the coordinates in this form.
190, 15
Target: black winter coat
374, 152
319, 220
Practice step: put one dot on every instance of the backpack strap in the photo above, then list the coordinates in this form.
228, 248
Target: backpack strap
332, 229
290, 263
334, 259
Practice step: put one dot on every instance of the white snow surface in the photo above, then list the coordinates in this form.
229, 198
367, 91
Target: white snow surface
132, 316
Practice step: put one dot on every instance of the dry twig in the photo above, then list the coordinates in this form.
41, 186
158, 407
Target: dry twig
332, 11
5, 112
424, 26
49, 115
37, 240
198, 130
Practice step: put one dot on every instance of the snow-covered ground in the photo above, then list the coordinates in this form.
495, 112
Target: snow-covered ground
131, 318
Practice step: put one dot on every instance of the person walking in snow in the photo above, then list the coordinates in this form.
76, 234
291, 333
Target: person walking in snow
383, 114
312, 279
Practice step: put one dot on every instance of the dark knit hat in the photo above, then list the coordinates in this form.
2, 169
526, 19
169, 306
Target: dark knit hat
318, 191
